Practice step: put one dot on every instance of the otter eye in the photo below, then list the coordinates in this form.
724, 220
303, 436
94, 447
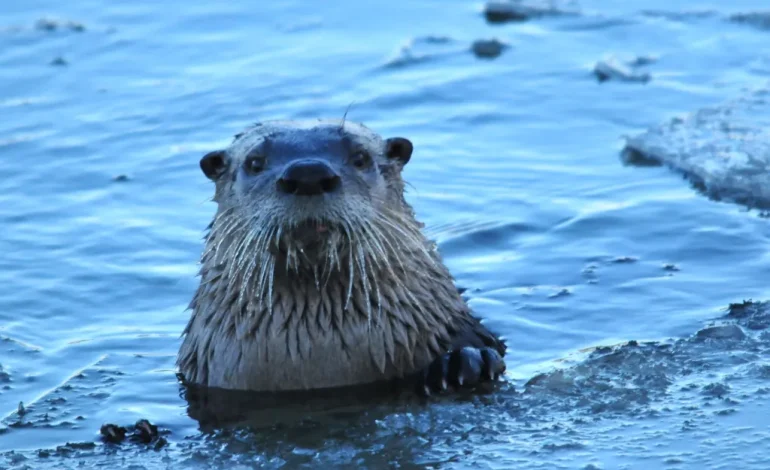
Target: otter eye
361, 160
254, 164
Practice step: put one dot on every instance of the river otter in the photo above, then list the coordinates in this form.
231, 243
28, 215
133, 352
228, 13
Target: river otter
315, 274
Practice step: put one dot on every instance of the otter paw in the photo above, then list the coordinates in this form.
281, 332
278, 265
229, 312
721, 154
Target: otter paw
464, 367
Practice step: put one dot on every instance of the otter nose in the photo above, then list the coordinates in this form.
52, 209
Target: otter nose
308, 178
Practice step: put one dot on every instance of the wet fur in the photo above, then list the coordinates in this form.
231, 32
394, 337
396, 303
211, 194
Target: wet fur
374, 303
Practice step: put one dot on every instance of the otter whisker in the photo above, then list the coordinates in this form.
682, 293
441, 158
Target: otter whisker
326, 263
392, 250
332, 259
373, 245
260, 253
381, 254
222, 214
416, 243
245, 291
361, 261
372, 282
235, 248
265, 229
344, 116
379, 298
402, 248
278, 237
244, 246
391, 273
215, 247
262, 281
366, 251
351, 271
271, 283
224, 221
268, 266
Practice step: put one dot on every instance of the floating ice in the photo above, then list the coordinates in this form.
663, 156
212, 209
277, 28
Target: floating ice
723, 150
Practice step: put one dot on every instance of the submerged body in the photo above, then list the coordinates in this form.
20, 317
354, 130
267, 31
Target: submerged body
316, 274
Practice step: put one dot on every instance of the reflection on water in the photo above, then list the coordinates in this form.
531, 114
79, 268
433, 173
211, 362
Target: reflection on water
108, 107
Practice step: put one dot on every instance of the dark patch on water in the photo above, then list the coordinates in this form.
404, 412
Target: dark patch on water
524, 10
759, 20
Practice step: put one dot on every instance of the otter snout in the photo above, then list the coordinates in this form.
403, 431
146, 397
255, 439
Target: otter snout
309, 178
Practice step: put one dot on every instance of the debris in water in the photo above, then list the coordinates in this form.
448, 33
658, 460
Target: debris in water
143, 432
121, 178
59, 62
488, 48
49, 24
112, 433
518, 10
45, 24
613, 69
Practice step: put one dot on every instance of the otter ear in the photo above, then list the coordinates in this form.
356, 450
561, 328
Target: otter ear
398, 148
213, 164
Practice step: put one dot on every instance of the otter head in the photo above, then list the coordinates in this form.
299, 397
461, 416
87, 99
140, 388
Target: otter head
310, 194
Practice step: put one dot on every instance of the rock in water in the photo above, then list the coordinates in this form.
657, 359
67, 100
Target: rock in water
613, 69
488, 48
723, 150
497, 11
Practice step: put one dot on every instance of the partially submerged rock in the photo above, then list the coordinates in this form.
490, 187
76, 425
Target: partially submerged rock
488, 48
613, 69
723, 150
497, 11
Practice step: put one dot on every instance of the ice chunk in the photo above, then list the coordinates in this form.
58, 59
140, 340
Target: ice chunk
723, 150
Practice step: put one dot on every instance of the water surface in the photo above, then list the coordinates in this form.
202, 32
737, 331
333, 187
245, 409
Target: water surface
515, 172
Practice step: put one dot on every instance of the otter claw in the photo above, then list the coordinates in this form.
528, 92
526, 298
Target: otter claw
463, 367
494, 364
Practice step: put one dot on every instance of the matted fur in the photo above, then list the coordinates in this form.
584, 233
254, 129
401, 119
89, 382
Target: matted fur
374, 302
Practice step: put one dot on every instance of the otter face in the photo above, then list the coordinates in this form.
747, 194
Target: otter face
309, 182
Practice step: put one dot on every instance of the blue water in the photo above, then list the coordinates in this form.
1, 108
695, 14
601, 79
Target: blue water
515, 172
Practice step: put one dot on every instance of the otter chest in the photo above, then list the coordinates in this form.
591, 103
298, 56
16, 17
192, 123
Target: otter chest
305, 345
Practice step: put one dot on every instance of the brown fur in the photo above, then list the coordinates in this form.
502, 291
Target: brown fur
292, 331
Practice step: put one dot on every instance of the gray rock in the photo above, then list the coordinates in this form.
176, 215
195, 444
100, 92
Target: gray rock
614, 69
497, 11
488, 48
